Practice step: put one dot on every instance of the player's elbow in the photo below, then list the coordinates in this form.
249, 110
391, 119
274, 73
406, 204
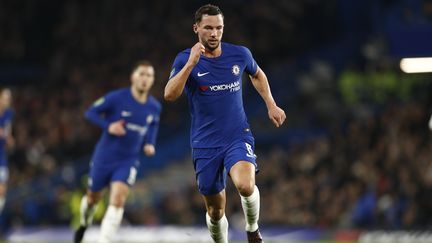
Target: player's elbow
88, 115
170, 96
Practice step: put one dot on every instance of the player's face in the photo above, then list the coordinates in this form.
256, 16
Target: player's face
210, 31
142, 78
5, 98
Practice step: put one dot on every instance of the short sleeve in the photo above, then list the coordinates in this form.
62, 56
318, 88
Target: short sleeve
178, 64
251, 65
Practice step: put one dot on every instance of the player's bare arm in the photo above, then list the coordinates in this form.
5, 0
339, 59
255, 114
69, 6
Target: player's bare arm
117, 128
176, 84
261, 84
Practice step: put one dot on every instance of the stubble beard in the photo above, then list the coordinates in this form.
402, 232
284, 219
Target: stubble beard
206, 44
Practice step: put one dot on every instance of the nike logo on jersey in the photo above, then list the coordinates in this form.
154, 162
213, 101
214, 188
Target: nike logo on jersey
126, 113
202, 74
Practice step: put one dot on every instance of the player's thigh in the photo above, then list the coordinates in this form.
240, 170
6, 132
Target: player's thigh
94, 197
240, 162
209, 170
125, 173
242, 174
122, 179
99, 177
4, 176
242, 150
118, 193
215, 204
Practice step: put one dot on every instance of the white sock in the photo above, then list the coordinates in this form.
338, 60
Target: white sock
2, 203
218, 230
251, 208
86, 212
110, 223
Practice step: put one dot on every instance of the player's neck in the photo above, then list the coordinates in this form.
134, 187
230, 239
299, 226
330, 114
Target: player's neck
213, 53
140, 97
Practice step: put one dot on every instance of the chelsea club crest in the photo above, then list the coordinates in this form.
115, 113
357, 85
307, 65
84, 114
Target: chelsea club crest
235, 70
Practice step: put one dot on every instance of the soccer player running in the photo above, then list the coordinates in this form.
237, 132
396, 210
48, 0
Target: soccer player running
222, 144
129, 118
6, 140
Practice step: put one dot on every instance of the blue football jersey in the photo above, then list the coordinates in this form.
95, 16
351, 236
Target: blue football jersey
214, 91
141, 124
5, 122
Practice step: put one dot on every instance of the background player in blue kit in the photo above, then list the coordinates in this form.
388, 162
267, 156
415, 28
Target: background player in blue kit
129, 118
210, 73
430, 123
6, 140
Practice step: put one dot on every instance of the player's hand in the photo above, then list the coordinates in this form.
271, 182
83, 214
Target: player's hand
276, 115
149, 150
196, 51
117, 128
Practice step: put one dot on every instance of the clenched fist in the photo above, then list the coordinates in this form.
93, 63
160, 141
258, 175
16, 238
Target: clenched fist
196, 51
117, 128
149, 150
276, 115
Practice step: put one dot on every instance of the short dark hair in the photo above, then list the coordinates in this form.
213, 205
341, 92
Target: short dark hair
141, 63
207, 9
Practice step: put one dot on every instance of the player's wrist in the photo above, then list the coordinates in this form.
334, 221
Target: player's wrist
271, 104
190, 64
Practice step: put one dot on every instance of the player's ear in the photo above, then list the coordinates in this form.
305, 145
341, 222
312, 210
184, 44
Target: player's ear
195, 28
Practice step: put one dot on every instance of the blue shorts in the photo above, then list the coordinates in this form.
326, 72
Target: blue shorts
101, 175
212, 165
3, 161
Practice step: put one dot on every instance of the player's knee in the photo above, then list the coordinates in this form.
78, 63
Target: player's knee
117, 203
216, 213
93, 198
246, 188
3, 189
118, 200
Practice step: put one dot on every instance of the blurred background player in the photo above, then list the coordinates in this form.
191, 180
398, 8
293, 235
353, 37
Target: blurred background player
222, 142
6, 140
129, 118
430, 123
